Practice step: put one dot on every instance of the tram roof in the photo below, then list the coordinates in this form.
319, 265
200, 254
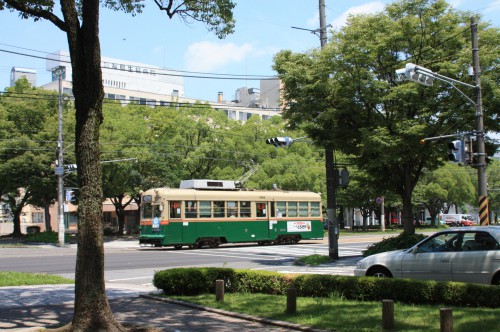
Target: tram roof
195, 194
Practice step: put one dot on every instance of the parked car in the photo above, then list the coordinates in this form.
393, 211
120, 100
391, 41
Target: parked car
466, 254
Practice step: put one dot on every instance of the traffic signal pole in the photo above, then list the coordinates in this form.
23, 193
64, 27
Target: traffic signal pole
481, 151
425, 76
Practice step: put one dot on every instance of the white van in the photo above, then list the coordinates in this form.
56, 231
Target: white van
457, 219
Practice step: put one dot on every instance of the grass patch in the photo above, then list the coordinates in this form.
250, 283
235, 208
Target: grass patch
23, 279
335, 313
314, 260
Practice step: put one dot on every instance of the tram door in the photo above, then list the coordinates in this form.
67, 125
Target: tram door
272, 222
174, 233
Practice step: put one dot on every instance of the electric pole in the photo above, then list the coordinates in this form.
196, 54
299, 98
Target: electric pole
331, 204
481, 151
59, 72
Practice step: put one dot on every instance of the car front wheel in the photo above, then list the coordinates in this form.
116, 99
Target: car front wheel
379, 272
496, 279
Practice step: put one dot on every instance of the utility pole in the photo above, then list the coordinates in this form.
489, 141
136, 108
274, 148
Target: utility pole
59, 72
331, 201
481, 151
425, 76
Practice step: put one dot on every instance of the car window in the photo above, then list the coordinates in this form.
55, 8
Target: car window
478, 241
442, 242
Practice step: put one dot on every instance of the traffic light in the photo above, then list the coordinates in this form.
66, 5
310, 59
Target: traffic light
70, 196
279, 142
417, 74
456, 152
341, 177
468, 150
71, 168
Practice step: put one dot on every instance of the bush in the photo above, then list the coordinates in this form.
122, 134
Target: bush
45, 237
402, 241
193, 281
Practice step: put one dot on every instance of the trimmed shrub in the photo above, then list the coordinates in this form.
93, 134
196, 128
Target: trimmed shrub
45, 237
402, 241
186, 281
193, 281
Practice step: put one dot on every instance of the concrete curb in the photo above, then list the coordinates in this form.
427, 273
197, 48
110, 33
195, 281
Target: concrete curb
261, 320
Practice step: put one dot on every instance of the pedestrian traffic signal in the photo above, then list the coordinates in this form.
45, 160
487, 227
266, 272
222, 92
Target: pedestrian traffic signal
456, 152
279, 142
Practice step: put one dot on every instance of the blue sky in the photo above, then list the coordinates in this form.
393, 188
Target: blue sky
263, 27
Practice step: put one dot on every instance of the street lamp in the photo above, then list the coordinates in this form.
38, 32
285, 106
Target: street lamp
426, 77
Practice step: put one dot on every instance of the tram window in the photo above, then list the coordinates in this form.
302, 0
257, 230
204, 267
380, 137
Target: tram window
281, 209
218, 209
303, 209
315, 209
232, 209
147, 211
273, 214
175, 209
157, 210
205, 209
292, 209
245, 210
190, 209
261, 210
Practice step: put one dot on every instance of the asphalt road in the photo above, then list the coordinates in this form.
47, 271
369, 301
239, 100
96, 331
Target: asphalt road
128, 263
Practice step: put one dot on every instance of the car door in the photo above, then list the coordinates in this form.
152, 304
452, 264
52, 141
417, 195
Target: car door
432, 259
477, 260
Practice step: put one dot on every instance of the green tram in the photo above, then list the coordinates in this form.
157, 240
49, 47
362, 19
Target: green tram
209, 212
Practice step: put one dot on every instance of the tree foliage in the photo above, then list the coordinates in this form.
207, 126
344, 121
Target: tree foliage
28, 128
348, 96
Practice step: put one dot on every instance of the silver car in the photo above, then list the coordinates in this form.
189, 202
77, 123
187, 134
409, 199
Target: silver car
467, 254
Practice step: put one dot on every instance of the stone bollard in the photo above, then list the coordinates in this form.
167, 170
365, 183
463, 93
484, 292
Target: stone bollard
387, 314
219, 290
446, 319
291, 301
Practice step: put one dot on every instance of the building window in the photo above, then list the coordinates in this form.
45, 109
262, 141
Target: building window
37, 217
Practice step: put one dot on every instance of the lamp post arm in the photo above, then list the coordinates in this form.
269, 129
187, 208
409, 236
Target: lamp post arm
448, 80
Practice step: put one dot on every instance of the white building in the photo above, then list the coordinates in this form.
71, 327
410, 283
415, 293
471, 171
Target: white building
16, 73
155, 86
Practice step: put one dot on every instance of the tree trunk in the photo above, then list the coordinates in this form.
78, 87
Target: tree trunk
408, 226
120, 212
46, 212
91, 310
17, 203
16, 219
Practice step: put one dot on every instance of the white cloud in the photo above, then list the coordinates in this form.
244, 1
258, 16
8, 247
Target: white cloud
209, 56
369, 8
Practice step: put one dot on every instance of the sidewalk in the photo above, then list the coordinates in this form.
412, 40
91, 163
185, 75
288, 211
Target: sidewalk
31, 308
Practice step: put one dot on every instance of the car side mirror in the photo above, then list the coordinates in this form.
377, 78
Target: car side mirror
414, 250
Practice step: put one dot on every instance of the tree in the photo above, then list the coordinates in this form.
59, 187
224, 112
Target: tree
446, 186
348, 95
27, 127
79, 20
123, 136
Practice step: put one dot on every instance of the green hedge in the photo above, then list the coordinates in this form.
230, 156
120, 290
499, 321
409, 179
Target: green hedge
45, 237
194, 281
